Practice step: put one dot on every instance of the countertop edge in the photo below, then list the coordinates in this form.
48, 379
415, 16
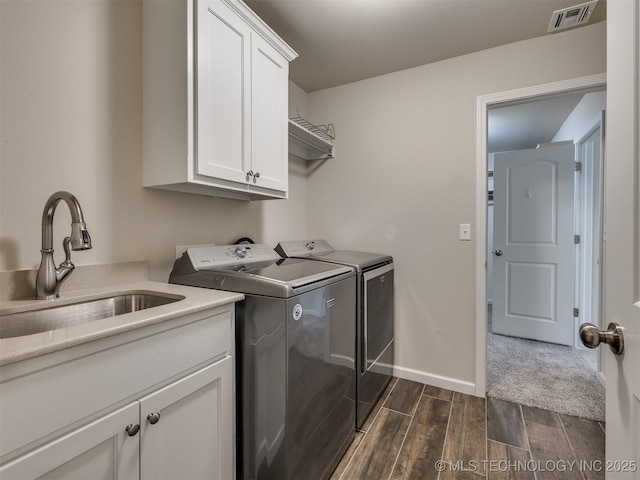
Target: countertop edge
195, 300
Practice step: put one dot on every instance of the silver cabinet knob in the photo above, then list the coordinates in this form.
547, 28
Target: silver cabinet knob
256, 175
153, 417
249, 174
498, 253
591, 337
132, 429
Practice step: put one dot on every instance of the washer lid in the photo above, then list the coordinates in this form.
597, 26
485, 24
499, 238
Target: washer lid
294, 272
260, 271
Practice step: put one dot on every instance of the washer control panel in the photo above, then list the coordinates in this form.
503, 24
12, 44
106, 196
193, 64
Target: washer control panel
224, 255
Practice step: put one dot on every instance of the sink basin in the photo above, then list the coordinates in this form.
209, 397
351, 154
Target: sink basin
53, 317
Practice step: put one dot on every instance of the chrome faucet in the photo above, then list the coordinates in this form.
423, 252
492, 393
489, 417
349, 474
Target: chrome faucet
49, 277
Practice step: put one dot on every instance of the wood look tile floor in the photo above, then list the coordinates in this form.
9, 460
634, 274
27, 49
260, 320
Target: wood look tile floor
427, 433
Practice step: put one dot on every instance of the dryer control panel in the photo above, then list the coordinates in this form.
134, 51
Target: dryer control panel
303, 248
224, 255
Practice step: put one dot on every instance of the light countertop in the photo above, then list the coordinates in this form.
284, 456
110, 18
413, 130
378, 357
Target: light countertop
21, 348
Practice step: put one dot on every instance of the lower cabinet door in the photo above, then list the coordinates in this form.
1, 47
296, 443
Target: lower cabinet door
99, 450
187, 427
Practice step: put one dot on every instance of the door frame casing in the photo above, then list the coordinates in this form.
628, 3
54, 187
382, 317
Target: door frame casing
484, 103
584, 193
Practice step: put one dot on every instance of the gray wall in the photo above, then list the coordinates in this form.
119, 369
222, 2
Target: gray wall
71, 120
405, 178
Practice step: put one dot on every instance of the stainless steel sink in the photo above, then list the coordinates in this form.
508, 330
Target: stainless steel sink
53, 317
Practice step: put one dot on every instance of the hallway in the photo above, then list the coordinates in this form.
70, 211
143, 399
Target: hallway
544, 375
427, 433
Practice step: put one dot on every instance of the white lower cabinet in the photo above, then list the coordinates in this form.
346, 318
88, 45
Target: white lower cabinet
186, 427
99, 450
182, 427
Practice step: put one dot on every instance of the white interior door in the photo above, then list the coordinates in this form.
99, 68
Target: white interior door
589, 224
533, 243
622, 244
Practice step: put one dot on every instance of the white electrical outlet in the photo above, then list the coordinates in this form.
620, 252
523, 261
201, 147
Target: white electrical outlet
465, 231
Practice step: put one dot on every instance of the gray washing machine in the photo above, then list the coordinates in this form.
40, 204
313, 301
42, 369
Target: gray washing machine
295, 382
374, 311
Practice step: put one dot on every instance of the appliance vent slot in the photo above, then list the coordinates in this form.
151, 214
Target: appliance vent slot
571, 16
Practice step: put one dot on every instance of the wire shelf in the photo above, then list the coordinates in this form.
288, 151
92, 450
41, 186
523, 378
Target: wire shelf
326, 132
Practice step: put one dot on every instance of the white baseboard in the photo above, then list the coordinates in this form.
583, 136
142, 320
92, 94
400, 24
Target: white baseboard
435, 380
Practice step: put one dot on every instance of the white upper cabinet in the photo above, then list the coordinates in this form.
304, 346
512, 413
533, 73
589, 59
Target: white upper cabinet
215, 94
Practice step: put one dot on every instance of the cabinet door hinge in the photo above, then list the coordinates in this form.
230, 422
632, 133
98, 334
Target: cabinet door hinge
576, 312
578, 166
576, 239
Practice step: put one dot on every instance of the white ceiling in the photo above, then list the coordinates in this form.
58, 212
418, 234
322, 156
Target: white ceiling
523, 126
343, 41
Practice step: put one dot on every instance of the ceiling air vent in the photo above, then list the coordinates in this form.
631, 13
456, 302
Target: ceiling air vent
571, 17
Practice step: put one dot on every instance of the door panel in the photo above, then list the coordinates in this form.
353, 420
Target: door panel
195, 415
223, 103
533, 238
622, 243
532, 206
269, 128
532, 290
100, 450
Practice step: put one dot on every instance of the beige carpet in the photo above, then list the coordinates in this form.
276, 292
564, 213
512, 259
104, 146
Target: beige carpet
543, 375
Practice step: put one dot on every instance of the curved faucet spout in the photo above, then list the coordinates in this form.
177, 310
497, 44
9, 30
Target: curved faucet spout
49, 277
80, 239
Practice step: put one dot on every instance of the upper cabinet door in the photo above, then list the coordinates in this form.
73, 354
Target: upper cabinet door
269, 84
223, 90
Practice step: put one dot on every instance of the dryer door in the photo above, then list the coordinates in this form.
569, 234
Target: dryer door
377, 331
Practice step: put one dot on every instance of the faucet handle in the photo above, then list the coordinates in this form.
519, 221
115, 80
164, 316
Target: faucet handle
67, 254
